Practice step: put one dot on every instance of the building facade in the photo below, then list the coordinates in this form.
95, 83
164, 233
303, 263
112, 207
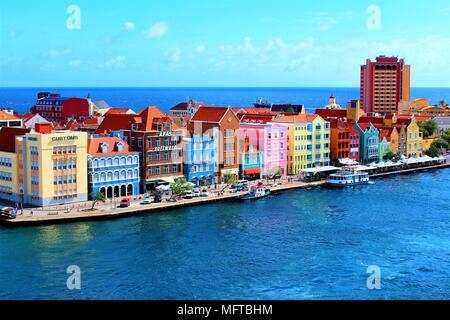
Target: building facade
55, 108
200, 157
384, 83
157, 138
265, 146
227, 145
369, 136
308, 141
113, 167
9, 119
50, 166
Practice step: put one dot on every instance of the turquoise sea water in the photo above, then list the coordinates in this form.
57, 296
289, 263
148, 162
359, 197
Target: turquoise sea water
304, 244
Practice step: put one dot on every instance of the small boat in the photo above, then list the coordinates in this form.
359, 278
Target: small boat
348, 177
255, 193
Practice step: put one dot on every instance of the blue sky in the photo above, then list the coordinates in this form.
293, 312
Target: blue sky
219, 43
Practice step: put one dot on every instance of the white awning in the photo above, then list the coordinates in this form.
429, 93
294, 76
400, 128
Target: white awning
319, 169
168, 179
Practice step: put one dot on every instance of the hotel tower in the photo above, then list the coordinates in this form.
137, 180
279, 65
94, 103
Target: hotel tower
384, 84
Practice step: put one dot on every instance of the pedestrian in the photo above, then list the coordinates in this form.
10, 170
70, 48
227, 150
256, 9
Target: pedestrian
31, 213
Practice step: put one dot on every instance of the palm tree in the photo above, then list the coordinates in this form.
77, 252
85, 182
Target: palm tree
442, 103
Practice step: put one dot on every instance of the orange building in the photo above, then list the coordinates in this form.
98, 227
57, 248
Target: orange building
339, 138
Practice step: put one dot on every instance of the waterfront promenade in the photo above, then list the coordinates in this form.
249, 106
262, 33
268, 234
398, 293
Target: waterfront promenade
110, 210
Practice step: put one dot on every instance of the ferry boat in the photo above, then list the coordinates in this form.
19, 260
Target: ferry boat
255, 193
348, 177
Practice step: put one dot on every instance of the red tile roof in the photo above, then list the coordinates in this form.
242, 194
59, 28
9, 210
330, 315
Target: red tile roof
300, 118
95, 143
209, 114
144, 119
372, 119
4, 115
8, 138
118, 111
331, 113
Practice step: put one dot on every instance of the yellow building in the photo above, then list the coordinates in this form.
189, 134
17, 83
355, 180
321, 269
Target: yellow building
308, 141
47, 167
414, 140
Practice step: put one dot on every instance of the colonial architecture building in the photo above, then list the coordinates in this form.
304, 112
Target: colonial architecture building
226, 124
308, 141
113, 167
368, 142
157, 138
47, 167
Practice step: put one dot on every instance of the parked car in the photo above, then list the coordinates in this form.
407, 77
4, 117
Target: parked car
196, 193
171, 199
125, 203
157, 198
204, 193
188, 195
8, 213
148, 200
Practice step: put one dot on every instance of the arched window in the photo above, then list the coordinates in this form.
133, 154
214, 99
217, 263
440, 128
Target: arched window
129, 160
96, 177
103, 177
123, 175
129, 174
110, 175
116, 175
122, 160
109, 162
116, 161
95, 163
136, 173
102, 162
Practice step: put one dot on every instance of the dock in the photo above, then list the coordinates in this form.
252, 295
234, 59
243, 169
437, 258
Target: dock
104, 211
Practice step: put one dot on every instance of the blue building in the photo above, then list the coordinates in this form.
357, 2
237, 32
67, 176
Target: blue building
200, 159
369, 138
113, 167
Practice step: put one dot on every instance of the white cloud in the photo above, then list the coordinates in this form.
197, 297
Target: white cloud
326, 23
158, 30
76, 63
173, 56
56, 53
129, 25
116, 62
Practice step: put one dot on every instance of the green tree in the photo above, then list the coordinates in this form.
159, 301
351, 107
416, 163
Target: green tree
229, 178
442, 103
433, 152
428, 128
97, 197
389, 155
180, 186
440, 144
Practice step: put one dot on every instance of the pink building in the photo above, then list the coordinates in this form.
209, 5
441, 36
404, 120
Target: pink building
263, 148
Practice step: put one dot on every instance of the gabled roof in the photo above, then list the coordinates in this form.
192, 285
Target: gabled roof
8, 138
144, 119
95, 143
210, 114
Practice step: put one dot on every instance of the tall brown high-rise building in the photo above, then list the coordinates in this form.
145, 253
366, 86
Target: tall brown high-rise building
384, 83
